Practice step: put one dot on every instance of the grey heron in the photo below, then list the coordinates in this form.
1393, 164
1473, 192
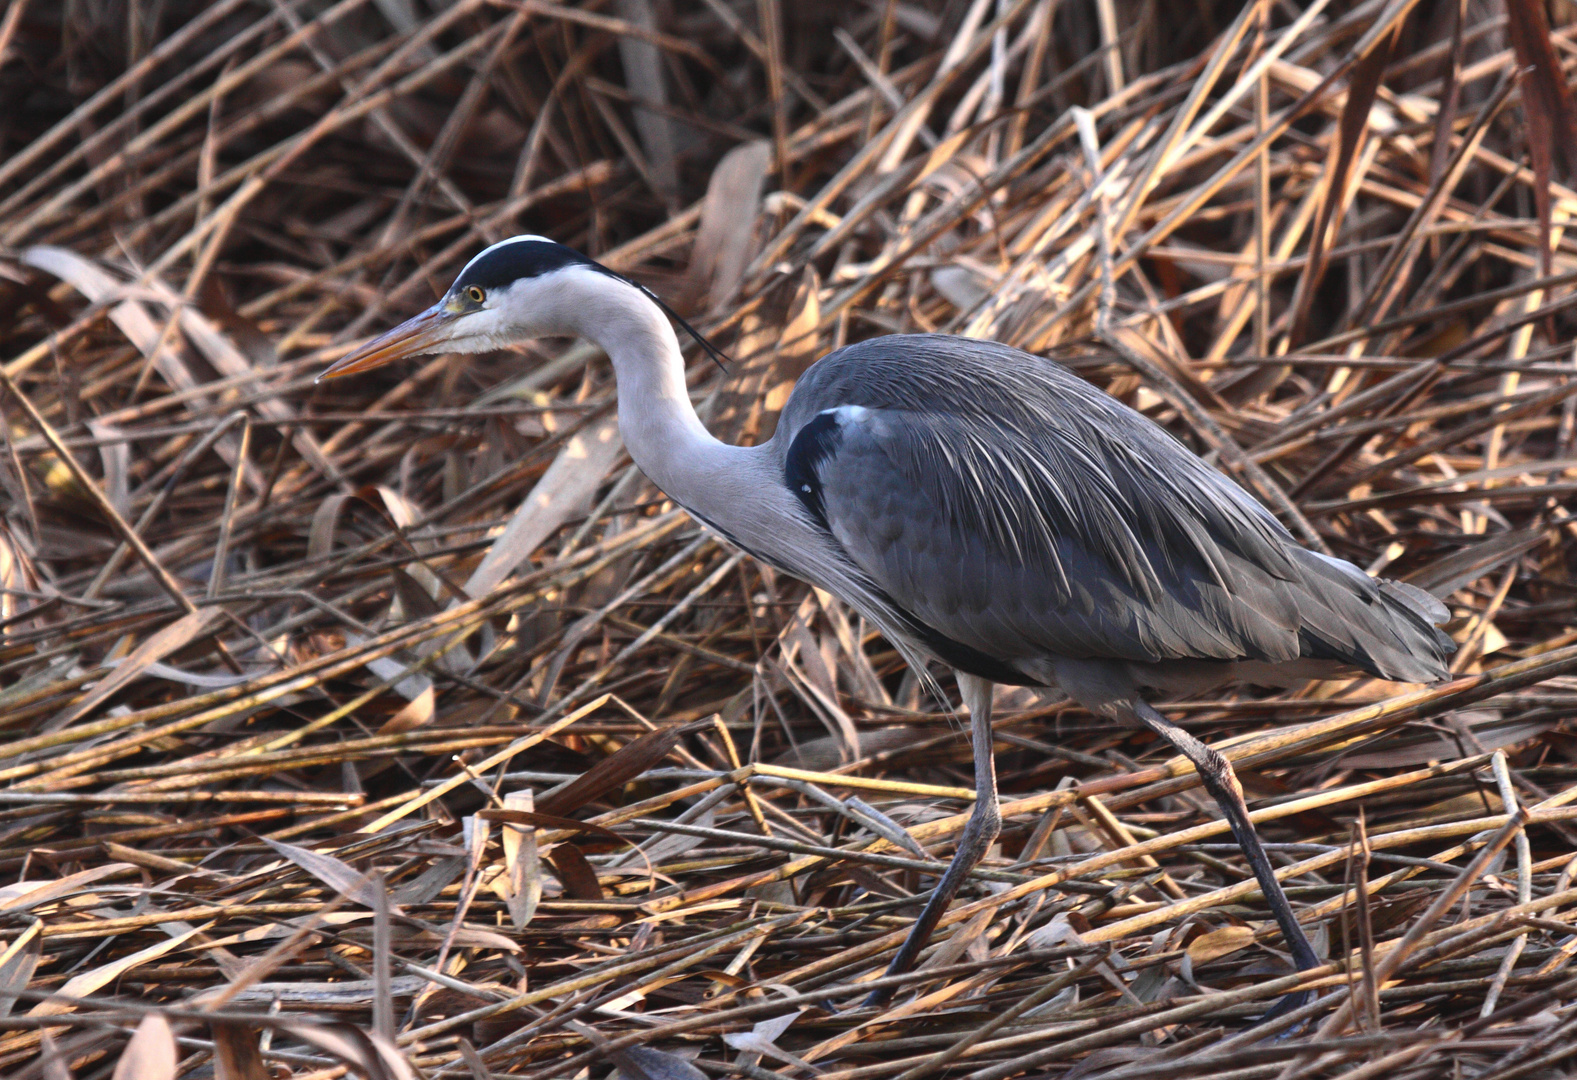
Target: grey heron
983, 507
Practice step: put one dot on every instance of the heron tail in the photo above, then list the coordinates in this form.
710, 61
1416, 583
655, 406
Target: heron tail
1386, 628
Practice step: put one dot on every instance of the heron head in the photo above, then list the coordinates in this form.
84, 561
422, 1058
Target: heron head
523, 287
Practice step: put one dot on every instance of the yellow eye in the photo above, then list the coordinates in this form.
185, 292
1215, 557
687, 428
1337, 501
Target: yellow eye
475, 294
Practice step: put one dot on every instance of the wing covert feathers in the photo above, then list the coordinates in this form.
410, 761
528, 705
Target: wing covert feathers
1015, 509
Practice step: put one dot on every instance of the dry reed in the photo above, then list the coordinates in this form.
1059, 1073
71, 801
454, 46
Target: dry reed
326, 749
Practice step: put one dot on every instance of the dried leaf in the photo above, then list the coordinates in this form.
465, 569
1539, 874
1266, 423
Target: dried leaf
1218, 943
416, 713
410, 687
1451, 96
578, 876
1546, 98
325, 520
473, 1061
643, 75
430, 882
522, 868
17, 964
151, 1054
723, 241
611, 773
1552, 124
370, 1054
351, 993
132, 318
1446, 575
237, 1055
549, 821
51, 1061
565, 490
645, 1063
1362, 87
168, 639
415, 601
639, 1062
23, 895
335, 873
393, 509
762, 1039
80, 986
115, 453
472, 937
674, 844
279, 930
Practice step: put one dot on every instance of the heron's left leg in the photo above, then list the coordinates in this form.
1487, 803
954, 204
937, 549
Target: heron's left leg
985, 822
1222, 783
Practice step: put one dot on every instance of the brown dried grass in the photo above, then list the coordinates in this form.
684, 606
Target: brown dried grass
272, 727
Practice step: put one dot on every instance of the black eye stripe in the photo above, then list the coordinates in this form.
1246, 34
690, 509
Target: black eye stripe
510, 262
505, 263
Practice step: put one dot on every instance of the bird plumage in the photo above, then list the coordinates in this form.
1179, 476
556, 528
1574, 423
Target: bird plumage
1012, 508
983, 507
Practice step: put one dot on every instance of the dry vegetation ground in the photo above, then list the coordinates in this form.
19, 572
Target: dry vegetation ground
277, 688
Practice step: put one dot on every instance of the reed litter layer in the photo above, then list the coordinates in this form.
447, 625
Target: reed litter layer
399, 727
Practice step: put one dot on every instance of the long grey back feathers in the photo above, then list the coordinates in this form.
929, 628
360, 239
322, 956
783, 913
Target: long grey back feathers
1017, 513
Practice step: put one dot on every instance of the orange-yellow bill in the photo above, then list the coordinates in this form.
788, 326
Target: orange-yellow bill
424, 333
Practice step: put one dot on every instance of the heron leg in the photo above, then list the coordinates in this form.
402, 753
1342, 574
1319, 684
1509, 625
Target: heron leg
980, 832
1222, 783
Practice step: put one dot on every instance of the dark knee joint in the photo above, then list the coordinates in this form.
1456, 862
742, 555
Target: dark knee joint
982, 828
1221, 768
993, 822
979, 835
986, 820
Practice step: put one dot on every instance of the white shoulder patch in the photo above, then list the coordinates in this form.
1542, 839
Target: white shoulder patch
849, 414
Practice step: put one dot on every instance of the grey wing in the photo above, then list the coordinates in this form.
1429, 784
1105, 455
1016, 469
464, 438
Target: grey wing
1017, 513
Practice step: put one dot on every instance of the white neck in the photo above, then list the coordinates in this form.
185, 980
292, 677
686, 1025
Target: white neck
660, 427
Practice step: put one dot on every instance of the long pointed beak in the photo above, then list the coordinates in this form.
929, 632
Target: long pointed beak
427, 332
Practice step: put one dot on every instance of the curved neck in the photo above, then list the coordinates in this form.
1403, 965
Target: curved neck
660, 427
738, 491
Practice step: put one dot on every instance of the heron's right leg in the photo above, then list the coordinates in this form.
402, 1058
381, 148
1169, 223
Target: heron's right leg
985, 822
1216, 773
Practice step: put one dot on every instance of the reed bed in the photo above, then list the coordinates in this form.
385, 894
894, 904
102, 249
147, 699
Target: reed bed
398, 727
